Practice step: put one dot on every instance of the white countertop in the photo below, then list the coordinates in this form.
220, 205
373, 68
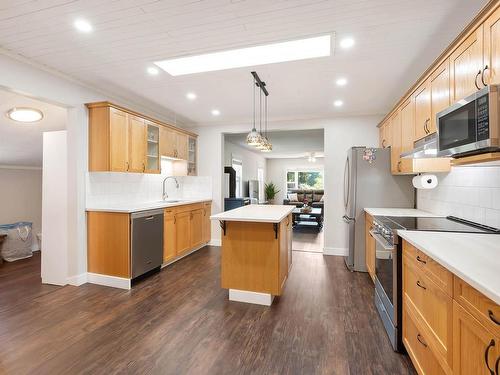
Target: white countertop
475, 258
143, 206
399, 212
256, 213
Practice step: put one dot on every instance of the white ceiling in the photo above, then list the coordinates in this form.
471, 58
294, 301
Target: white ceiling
395, 41
21, 143
286, 144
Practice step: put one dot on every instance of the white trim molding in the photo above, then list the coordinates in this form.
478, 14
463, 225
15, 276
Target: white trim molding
77, 280
215, 242
264, 299
338, 251
112, 281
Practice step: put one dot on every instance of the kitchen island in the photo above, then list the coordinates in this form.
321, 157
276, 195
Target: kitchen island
256, 254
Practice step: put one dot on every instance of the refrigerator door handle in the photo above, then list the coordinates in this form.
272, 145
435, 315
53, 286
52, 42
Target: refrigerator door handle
347, 180
347, 219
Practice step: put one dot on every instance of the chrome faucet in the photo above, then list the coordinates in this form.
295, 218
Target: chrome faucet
165, 195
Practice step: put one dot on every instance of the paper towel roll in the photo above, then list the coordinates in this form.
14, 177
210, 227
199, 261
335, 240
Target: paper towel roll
425, 181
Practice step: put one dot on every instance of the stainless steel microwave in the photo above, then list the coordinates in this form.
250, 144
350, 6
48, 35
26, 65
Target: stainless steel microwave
470, 126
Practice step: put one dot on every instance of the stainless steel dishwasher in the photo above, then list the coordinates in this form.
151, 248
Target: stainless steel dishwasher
147, 241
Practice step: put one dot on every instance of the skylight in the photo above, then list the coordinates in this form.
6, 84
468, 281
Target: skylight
259, 55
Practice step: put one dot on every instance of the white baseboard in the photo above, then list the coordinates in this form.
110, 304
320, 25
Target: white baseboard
338, 251
250, 297
215, 242
78, 280
112, 281
184, 255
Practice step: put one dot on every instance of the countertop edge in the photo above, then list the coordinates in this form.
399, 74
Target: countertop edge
251, 220
416, 212
160, 206
406, 235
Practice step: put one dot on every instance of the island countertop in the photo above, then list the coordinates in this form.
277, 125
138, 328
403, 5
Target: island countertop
256, 213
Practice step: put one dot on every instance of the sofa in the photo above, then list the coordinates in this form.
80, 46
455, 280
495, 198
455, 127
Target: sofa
313, 197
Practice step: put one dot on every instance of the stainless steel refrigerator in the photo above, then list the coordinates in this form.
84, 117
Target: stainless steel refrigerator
370, 184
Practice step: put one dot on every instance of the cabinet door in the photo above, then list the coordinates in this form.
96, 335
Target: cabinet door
207, 211
422, 110
370, 247
196, 227
492, 49
137, 144
396, 143
183, 232
169, 236
167, 142
466, 64
118, 141
181, 146
440, 92
407, 125
475, 349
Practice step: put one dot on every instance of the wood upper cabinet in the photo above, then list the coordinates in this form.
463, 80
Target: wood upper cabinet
466, 64
118, 141
407, 124
369, 246
440, 92
385, 134
395, 127
422, 110
137, 144
475, 348
168, 142
181, 146
491, 59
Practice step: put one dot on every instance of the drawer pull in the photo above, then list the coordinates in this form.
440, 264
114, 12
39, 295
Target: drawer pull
421, 260
420, 285
492, 317
486, 354
420, 340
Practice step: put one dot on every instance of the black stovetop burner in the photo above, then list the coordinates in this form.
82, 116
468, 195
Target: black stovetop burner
437, 224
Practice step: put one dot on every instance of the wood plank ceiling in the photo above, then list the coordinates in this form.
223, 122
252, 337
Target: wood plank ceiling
395, 41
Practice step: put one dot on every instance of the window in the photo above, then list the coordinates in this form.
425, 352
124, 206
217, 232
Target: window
304, 179
238, 167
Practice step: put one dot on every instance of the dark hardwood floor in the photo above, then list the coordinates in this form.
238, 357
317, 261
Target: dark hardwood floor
179, 321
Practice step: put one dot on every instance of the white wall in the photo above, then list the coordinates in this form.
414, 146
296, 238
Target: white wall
340, 135
25, 78
277, 168
471, 193
21, 196
250, 161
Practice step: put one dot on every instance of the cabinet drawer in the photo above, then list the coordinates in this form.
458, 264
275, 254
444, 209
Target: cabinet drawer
476, 303
433, 309
436, 272
416, 344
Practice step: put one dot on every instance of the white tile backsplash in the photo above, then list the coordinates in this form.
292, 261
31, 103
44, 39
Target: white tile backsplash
471, 193
118, 188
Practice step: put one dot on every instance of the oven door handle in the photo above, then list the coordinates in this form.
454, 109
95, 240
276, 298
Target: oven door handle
382, 241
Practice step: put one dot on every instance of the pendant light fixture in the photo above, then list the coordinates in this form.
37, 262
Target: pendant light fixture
253, 138
268, 147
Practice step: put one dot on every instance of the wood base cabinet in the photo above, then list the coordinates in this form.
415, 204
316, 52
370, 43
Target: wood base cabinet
185, 229
369, 246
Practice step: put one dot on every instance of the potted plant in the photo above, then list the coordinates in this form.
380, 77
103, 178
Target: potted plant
270, 190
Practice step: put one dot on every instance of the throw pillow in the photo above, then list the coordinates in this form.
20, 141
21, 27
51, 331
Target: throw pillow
293, 197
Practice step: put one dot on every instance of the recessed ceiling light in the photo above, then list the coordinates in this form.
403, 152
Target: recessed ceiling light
191, 96
25, 114
215, 112
347, 43
341, 82
83, 26
153, 71
338, 103
259, 55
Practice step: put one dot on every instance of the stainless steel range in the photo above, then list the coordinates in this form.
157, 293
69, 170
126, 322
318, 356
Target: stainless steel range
388, 267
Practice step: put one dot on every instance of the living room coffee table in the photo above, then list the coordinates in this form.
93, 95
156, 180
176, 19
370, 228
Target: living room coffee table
315, 216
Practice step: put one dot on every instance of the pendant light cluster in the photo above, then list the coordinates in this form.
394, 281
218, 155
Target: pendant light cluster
255, 138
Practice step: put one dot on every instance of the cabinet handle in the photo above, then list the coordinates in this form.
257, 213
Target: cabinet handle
486, 355
486, 67
399, 166
420, 285
421, 260
383, 143
475, 80
419, 338
492, 317
175, 219
128, 165
426, 126
143, 166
